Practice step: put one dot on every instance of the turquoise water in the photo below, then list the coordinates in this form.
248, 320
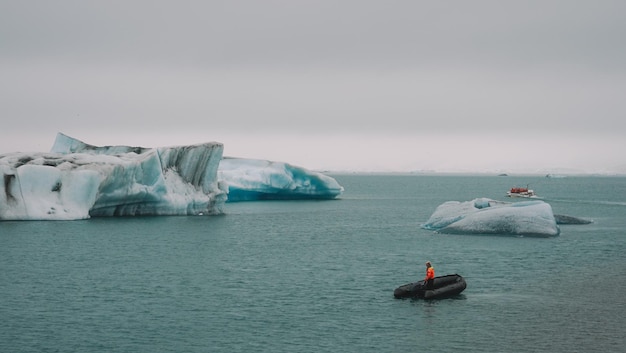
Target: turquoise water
318, 276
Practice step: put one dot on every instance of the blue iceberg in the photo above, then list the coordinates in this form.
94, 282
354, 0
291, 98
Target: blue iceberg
254, 179
486, 216
244, 179
77, 181
150, 181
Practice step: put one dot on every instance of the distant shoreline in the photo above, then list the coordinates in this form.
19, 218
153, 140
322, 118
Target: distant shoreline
486, 174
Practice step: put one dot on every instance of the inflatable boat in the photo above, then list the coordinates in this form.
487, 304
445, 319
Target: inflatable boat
443, 287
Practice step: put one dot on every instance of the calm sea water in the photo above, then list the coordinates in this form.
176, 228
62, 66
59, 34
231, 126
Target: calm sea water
319, 276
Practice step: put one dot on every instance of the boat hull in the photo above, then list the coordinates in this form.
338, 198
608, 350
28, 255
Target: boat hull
525, 195
443, 287
521, 192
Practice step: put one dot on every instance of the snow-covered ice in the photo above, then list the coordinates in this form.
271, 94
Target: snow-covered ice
65, 185
486, 216
253, 179
77, 180
246, 179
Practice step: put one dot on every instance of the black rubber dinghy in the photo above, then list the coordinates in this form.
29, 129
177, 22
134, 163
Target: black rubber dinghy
443, 287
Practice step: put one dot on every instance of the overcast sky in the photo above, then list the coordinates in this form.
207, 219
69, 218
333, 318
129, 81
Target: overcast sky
506, 86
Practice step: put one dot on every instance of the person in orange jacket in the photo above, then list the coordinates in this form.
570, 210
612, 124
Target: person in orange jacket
429, 280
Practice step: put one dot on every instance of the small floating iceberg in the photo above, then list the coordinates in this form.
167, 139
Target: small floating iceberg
487, 216
255, 179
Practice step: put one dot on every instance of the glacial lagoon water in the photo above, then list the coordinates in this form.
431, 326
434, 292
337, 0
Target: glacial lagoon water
318, 276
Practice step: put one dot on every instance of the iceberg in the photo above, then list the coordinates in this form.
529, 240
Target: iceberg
254, 179
78, 181
565, 219
487, 216
245, 179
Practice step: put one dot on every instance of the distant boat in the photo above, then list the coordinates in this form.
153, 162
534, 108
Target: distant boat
443, 287
521, 192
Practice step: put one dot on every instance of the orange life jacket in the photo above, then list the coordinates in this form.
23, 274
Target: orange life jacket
430, 273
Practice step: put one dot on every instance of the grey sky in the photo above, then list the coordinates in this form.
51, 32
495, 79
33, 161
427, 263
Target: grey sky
367, 85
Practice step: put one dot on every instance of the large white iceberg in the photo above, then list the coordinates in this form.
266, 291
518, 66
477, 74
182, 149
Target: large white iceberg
151, 181
77, 180
245, 179
254, 179
486, 216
